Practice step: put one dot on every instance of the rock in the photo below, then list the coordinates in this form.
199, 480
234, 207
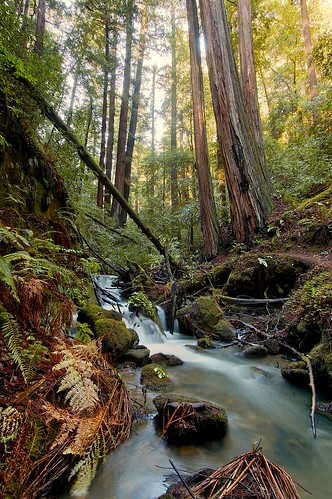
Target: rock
205, 343
178, 491
90, 313
140, 356
197, 421
166, 360
254, 351
204, 316
325, 408
117, 339
272, 346
155, 377
297, 373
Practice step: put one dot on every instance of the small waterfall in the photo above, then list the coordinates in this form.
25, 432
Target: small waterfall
109, 294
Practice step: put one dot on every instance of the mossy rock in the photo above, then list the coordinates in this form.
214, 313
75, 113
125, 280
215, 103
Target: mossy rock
321, 359
197, 421
166, 360
140, 356
254, 351
90, 313
205, 343
117, 339
154, 376
264, 275
297, 373
205, 316
307, 314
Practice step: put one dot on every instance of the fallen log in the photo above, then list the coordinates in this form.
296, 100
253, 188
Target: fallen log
250, 301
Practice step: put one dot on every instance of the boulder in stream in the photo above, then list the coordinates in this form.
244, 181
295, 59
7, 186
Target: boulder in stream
154, 376
140, 355
205, 317
297, 373
254, 351
165, 359
185, 420
117, 339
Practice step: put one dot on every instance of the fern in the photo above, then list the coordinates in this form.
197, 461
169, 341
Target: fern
10, 236
85, 470
6, 276
36, 442
14, 337
10, 420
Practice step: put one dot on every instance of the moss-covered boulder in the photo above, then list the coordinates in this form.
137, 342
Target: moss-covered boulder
254, 351
307, 315
297, 373
117, 339
205, 343
155, 376
321, 359
90, 313
185, 420
264, 275
205, 317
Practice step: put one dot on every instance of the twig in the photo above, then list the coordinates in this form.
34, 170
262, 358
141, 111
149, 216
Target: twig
184, 483
250, 301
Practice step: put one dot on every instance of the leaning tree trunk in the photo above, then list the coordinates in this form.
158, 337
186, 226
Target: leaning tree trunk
85, 156
207, 205
248, 74
248, 187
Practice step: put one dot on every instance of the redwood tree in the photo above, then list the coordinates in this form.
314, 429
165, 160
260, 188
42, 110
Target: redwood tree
207, 205
246, 177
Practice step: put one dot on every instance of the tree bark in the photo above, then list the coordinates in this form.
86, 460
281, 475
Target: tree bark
111, 115
308, 50
122, 136
247, 183
40, 28
174, 173
100, 191
248, 74
134, 113
208, 210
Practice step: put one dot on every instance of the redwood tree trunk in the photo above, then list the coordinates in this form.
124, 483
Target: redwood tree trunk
100, 192
248, 73
111, 115
122, 136
134, 114
207, 205
247, 183
40, 27
174, 173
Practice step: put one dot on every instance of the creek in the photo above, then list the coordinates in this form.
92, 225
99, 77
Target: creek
260, 404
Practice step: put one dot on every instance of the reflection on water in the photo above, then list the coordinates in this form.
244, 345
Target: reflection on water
259, 403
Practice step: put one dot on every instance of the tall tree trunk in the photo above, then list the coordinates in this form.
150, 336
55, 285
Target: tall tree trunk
40, 27
206, 199
100, 191
134, 112
122, 135
308, 50
151, 181
73, 95
248, 74
247, 183
111, 114
174, 179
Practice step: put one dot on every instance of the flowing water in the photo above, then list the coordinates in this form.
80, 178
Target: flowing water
260, 405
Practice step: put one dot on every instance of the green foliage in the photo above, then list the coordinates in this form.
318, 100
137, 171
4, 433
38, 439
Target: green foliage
6, 276
84, 333
15, 340
160, 372
140, 301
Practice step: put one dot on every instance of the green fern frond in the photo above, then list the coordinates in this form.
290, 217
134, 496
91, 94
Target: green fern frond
36, 442
6, 276
85, 470
11, 236
14, 337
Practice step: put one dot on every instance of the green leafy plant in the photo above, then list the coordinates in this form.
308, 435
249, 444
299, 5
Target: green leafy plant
140, 301
160, 372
